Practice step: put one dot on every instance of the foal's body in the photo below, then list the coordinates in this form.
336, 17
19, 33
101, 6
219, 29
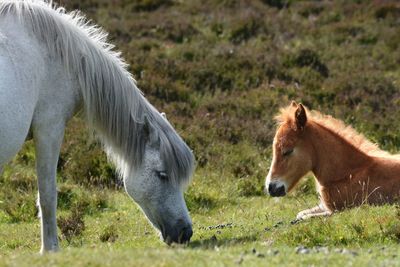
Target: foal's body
349, 177
349, 170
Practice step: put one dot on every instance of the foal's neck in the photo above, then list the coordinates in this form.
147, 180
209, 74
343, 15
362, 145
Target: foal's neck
334, 158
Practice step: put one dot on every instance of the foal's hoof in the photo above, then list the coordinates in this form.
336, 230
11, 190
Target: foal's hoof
301, 216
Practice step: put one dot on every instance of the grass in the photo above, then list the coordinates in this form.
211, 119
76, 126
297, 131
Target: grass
244, 230
222, 236
221, 69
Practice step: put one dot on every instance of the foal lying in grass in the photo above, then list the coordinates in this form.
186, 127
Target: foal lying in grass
349, 169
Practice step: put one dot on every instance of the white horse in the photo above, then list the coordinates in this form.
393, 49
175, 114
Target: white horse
51, 64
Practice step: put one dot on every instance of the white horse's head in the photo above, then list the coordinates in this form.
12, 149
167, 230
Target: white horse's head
158, 193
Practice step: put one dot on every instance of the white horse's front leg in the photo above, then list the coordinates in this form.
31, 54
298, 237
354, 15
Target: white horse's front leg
316, 211
48, 143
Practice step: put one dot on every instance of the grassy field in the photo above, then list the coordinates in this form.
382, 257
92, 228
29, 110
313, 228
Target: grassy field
221, 69
249, 231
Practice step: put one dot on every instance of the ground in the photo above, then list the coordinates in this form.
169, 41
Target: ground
221, 69
249, 231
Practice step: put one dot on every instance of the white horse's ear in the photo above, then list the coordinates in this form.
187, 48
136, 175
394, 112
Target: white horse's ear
164, 115
151, 132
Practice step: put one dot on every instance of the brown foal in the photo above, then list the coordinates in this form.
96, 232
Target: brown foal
349, 169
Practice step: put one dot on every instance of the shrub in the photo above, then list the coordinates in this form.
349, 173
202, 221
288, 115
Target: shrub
149, 5
71, 226
245, 29
312, 8
387, 10
19, 206
72, 197
197, 202
308, 58
109, 234
83, 160
277, 3
247, 187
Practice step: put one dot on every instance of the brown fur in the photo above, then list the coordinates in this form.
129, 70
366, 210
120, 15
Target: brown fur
349, 169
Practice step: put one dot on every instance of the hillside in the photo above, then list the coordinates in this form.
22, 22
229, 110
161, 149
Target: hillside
221, 69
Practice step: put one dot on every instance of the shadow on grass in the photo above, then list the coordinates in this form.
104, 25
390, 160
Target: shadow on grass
212, 242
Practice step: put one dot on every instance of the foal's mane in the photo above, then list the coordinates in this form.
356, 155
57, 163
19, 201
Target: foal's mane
114, 105
335, 126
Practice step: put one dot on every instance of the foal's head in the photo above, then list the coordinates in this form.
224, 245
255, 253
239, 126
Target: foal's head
291, 152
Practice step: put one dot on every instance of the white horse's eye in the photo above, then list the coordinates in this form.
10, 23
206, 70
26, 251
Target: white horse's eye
162, 175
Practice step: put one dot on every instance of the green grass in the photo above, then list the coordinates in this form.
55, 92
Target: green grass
258, 223
225, 233
221, 69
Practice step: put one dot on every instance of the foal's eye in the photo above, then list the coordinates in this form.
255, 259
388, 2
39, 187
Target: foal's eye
287, 152
162, 175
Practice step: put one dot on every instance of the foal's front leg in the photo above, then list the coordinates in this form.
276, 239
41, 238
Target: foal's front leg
317, 211
48, 143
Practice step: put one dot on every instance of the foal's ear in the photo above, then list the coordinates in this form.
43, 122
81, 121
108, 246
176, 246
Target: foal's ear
301, 117
150, 132
294, 104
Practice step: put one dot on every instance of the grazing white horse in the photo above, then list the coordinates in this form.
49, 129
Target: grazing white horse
51, 64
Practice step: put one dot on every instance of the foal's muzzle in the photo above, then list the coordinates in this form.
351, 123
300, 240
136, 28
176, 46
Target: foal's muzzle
180, 233
276, 190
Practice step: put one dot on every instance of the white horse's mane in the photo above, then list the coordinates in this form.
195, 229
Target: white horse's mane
114, 106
